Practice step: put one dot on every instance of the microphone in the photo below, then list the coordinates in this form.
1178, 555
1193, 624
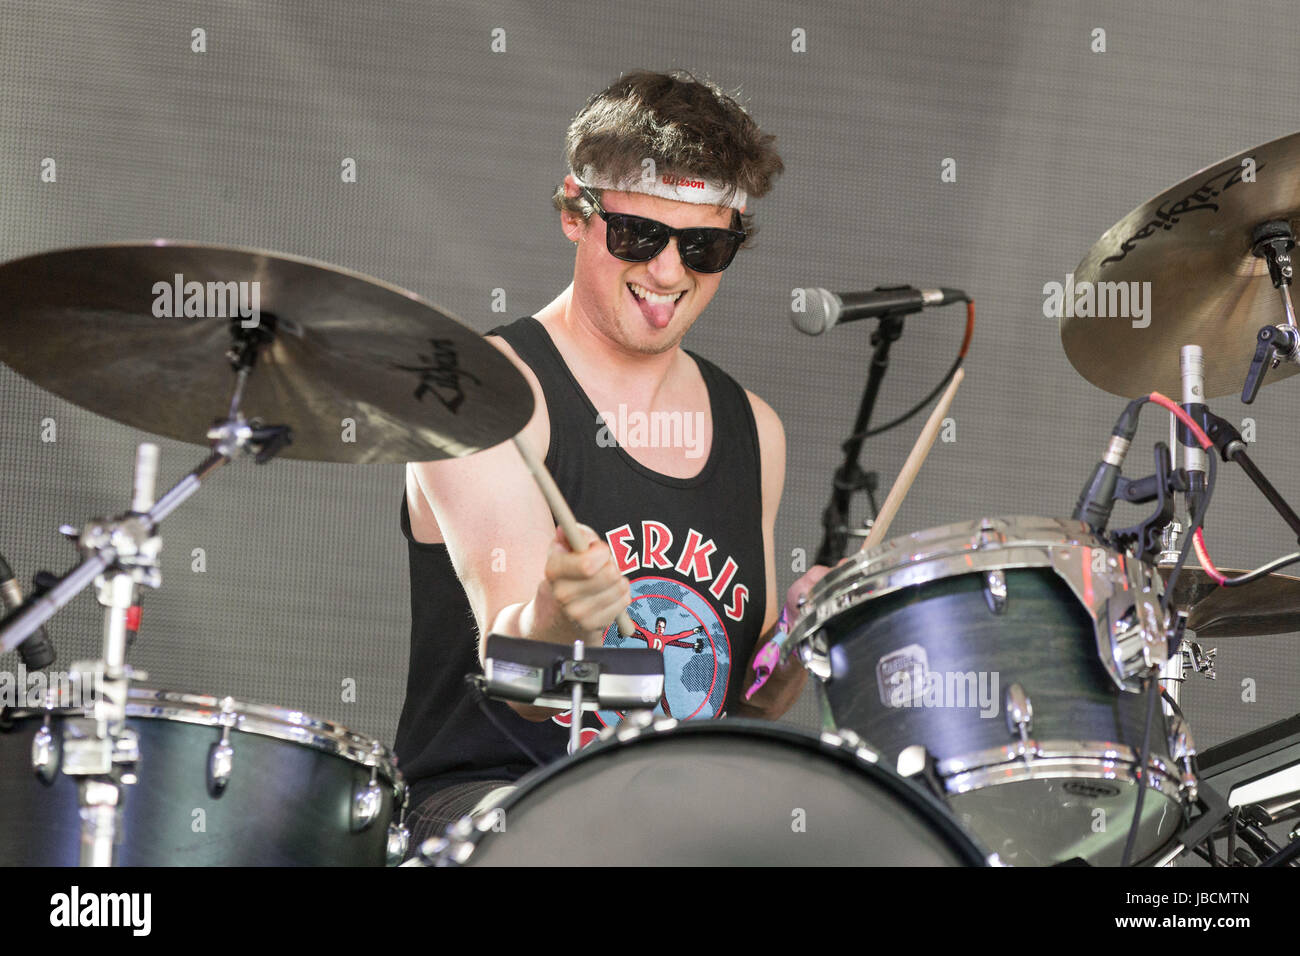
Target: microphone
1097, 499
37, 651
1191, 364
826, 309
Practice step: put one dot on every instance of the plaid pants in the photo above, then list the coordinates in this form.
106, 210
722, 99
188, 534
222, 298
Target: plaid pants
441, 809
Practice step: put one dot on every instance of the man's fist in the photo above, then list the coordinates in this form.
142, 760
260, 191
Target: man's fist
582, 591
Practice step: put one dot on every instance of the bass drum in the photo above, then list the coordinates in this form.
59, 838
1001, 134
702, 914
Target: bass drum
735, 793
217, 783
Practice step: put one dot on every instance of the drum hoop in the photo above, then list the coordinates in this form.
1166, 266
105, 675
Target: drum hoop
999, 544
1055, 759
262, 720
463, 837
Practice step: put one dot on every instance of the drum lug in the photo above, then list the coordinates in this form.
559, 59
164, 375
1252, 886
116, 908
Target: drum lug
366, 804
815, 655
995, 590
221, 759
47, 753
1019, 710
399, 839
221, 755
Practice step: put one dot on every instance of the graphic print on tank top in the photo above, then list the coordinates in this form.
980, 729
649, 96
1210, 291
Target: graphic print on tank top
675, 620
684, 618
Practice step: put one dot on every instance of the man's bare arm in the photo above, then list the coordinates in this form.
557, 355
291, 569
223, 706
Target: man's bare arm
782, 689
521, 580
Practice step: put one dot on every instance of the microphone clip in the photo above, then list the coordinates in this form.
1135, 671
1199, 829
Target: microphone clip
1160, 487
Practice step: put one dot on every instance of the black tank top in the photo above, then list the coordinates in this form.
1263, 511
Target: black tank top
692, 549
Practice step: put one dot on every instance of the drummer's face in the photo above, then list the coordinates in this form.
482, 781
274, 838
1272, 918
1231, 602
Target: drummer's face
603, 285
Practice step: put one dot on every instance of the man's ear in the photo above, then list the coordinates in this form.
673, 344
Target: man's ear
571, 224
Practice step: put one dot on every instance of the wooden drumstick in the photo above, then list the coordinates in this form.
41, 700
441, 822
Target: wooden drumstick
903, 483
563, 515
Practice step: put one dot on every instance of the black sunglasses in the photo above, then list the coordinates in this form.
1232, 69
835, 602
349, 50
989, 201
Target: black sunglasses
638, 239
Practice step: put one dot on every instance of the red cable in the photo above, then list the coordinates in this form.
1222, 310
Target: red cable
970, 328
1198, 538
1202, 555
1183, 417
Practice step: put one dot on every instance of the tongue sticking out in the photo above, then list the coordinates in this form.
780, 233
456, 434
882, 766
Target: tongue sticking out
658, 314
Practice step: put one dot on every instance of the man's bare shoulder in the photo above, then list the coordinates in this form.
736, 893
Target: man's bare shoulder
770, 430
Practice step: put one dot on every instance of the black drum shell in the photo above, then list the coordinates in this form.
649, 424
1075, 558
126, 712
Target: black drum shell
1043, 640
727, 793
286, 803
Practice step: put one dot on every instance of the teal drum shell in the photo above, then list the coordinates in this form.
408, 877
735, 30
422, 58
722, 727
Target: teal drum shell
301, 791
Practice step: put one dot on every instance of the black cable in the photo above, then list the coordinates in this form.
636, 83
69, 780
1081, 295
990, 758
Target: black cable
1232, 835
482, 698
915, 409
1197, 521
1263, 571
1151, 684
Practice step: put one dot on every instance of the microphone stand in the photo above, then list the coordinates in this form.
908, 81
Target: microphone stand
1230, 446
850, 477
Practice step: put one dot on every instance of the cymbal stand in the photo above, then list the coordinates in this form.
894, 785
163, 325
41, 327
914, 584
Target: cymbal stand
1273, 242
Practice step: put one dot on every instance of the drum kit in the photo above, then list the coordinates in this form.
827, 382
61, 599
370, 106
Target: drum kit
1001, 691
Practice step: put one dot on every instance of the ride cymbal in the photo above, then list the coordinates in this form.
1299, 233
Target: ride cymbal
1193, 244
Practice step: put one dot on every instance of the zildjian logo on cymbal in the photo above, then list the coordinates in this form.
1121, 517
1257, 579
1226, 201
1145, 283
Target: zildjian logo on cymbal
441, 374
1197, 199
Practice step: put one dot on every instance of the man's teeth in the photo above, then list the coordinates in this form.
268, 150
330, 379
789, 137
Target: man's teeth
641, 292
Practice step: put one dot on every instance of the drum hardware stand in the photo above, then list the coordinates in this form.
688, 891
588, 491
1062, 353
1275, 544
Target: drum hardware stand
1212, 811
1273, 242
1250, 829
849, 477
120, 555
1231, 447
576, 673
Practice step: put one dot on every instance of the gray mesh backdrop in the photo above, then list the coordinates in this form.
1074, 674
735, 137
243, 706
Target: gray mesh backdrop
457, 149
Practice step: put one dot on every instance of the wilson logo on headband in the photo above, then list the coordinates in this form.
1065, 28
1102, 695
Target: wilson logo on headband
683, 188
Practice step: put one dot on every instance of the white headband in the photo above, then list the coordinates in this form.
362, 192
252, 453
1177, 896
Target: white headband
688, 188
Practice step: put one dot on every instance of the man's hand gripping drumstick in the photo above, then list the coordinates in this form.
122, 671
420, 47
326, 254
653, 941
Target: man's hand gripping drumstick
767, 659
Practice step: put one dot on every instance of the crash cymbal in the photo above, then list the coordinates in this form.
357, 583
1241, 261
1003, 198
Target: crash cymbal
1192, 243
1270, 605
138, 332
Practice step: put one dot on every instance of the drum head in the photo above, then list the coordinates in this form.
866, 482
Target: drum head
1086, 816
739, 793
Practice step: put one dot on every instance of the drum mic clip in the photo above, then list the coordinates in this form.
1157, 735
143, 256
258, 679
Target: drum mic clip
1159, 487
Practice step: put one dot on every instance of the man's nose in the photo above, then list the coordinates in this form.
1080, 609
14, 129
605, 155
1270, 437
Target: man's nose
667, 267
